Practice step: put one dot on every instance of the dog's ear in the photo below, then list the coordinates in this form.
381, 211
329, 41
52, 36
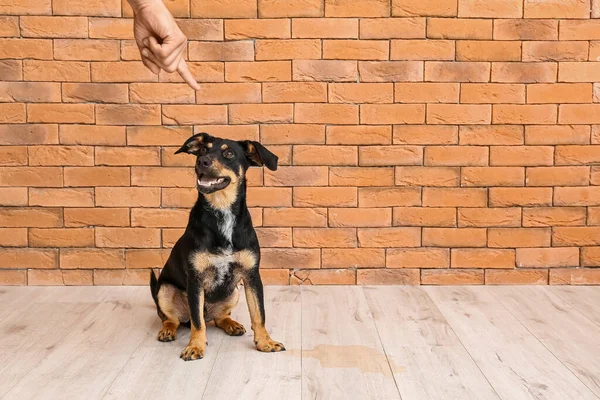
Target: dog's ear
258, 155
193, 144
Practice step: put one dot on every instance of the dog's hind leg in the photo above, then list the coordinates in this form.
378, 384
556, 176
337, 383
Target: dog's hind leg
172, 302
221, 313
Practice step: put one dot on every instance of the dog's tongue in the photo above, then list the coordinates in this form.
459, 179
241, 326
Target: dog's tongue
205, 180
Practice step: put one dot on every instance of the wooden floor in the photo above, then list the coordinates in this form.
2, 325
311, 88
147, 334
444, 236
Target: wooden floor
401, 342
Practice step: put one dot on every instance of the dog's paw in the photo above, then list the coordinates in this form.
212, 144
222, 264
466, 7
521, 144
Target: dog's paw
232, 328
269, 346
192, 353
167, 335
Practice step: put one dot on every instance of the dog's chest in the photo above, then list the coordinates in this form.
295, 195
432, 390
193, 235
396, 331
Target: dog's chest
226, 225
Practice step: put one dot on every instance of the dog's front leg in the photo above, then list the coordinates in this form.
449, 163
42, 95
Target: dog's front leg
256, 305
197, 345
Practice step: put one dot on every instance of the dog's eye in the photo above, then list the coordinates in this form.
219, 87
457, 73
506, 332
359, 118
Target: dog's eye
228, 154
203, 150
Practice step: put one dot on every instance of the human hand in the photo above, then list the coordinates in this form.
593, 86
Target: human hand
159, 39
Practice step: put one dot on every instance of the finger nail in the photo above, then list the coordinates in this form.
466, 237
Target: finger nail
145, 53
146, 42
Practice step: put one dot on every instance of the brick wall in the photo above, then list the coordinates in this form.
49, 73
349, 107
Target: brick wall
431, 141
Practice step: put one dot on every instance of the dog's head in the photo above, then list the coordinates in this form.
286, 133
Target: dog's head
221, 164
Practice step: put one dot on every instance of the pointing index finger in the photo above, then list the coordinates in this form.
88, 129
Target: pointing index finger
187, 76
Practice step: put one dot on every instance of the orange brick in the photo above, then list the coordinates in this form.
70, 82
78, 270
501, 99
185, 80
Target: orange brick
56, 71
275, 276
390, 155
127, 237
579, 72
264, 197
259, 113
418, 258
353, 258
11, 196
576, 155
576, 236
290, 258
158, 135
426, 92
194, 114
518, 237
454, 237
262, 71
577, 196
418, 216
492, 176
61, 155
297, 176
326, 113
510, 197
257, 29
516, 277
30, 217
325, 28
579, 29
128, 114
452, 28
159, 218
127, 156
96, 176
139, 259
12, 69
284, 8
325, 197
44, 277
224, 8
389, 237
295, 217
127, 197
30, 92
13, 237
558, 176
392, 28
490, 8
524, 72
438, 8
324, 70
202, 72
28, 258
31, 176
223, 93
358, 135
557, 9
392, 113
40, 49
483, 258
80, 217
61, 197
78, 278
111, 28
361, 176
458, 114
425, 134
357, 8
294, 92
292, 134
324, 237
481, 50
426, 176
553, 216
95, 92
590, 256
325, 155
355, 49
165, 177
492, 93
522, 29
104, 277
388, 197
361, 92
484, 217
524, 114
123, 71
579, 114
13, 278
60, 113
580, 276
101, 8
560, 93
201, 29
548, 258
521, 156
454, 197
92, 135
242, 50
451, 277
304, 49
365, 217
439, 71
12, 113
422, 50
455, 155
387, 277
86, 50
54, 27
179, 197
27, 7
161, 93
555, 51
323, 277
491, 135
13, 155
61, 237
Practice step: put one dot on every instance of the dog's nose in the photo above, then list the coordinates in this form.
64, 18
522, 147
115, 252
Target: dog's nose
204, 162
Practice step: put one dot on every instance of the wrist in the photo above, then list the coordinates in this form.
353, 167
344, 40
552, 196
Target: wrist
138, 5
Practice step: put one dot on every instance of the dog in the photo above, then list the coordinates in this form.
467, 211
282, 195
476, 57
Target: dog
218, 250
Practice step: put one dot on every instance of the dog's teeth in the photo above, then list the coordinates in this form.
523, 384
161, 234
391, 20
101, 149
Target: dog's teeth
199, 183
221, 180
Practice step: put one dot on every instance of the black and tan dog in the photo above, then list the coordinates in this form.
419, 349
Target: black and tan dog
218, 249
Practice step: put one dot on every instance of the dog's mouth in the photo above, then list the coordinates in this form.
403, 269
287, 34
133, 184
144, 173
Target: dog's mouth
209, 184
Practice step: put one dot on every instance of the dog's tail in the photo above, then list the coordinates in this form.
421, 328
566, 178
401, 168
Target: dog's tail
154, 287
